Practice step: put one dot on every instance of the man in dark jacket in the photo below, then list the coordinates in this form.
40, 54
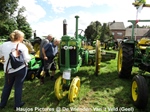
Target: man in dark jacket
49, 53
44, 43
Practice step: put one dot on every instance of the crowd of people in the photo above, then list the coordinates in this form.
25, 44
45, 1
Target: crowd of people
16, 77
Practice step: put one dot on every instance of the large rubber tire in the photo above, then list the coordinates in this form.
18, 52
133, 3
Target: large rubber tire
74, 89
58, 88
139, 91
125, 60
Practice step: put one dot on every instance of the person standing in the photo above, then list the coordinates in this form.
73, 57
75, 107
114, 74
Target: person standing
14, 76
44, 43
49, 53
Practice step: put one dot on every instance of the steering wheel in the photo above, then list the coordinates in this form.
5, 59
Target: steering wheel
80, 34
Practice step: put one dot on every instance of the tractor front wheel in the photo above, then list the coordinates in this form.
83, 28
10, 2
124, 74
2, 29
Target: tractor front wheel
30, 75
139, 91
58, 88
74, 89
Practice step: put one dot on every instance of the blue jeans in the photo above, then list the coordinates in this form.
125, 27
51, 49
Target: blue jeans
16, 79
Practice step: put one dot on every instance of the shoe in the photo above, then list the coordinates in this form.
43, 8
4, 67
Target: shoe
42, 73
22, 104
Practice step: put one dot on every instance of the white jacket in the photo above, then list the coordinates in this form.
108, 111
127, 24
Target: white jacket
5, 50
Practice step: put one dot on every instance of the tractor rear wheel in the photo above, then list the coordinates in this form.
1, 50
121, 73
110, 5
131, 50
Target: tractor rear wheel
97, 57
125, 60
139, 91
74, 89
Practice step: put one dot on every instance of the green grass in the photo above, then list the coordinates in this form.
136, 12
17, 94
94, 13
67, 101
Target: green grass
103, 93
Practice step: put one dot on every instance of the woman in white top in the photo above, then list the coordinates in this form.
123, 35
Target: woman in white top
15, 76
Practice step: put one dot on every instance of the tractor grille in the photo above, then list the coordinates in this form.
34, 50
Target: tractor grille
62, 56
72, 56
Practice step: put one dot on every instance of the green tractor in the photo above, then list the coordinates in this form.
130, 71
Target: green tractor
35, 62
33, 68
135, 53
111, 43
72, 55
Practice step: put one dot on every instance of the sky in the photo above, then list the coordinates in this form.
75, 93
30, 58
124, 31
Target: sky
47, 16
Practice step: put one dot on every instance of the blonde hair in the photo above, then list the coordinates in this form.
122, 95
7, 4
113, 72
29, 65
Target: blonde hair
16, 34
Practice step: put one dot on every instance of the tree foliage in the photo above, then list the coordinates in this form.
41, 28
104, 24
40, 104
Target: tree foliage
106, 34
9, 21
138, 26
7, 9
93, 31
96, 31
7, 27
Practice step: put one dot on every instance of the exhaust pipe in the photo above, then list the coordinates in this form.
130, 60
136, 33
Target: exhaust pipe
64, 27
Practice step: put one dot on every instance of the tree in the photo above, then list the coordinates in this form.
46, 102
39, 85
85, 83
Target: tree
10, 22
137, 26
96, 31
7, 9
7, 28
93, 31
105, 34
7, 21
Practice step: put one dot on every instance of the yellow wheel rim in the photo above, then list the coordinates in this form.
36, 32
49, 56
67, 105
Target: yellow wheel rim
97, 57
36, 47
134, 91
58, 88
119, 63
74, 89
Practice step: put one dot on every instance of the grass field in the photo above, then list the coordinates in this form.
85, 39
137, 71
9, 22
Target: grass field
102, 93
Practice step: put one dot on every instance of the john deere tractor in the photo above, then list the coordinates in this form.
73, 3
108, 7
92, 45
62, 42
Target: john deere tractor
135, 53
72, 55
